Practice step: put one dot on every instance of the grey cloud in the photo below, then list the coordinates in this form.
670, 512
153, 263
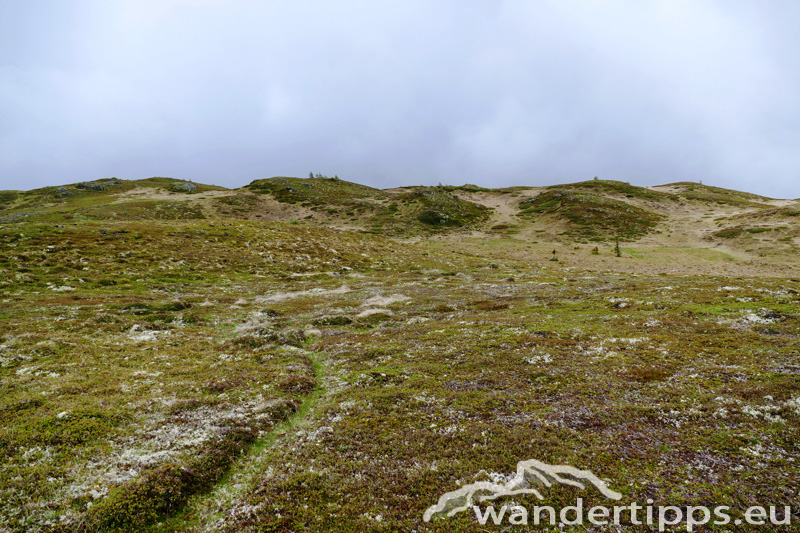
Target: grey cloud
392, 93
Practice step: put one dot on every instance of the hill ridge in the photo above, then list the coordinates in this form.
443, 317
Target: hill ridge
680, 214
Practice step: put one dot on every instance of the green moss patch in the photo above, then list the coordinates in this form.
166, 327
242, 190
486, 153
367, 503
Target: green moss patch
591, 215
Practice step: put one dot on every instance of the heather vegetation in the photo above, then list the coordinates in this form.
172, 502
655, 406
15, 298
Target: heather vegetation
592, 216
340, 368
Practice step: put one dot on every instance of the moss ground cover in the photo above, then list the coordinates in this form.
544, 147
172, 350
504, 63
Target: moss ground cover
592, 215
228, 375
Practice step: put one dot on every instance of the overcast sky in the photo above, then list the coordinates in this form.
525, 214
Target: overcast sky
389, 93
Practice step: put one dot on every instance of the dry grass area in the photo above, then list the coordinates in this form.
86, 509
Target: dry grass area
224, 374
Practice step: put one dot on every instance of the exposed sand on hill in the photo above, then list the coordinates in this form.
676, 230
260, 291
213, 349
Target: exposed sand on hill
682, 245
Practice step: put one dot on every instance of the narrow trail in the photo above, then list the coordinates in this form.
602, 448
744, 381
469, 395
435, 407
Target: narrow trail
205, 512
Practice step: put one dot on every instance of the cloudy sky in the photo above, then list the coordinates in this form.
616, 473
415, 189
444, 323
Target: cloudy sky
388, 93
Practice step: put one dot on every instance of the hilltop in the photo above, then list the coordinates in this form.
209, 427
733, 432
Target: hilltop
662, 225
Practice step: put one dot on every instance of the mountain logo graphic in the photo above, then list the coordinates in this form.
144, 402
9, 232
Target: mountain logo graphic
530, 474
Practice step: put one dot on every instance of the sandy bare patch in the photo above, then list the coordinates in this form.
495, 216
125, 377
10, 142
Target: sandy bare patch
152, 193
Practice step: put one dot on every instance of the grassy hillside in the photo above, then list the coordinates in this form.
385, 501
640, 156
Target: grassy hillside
105, 199
591, 215
717, 195
421, 209
435, 207
318, 355
316, 191
208, 375
130, 364
618, 188
596, 210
